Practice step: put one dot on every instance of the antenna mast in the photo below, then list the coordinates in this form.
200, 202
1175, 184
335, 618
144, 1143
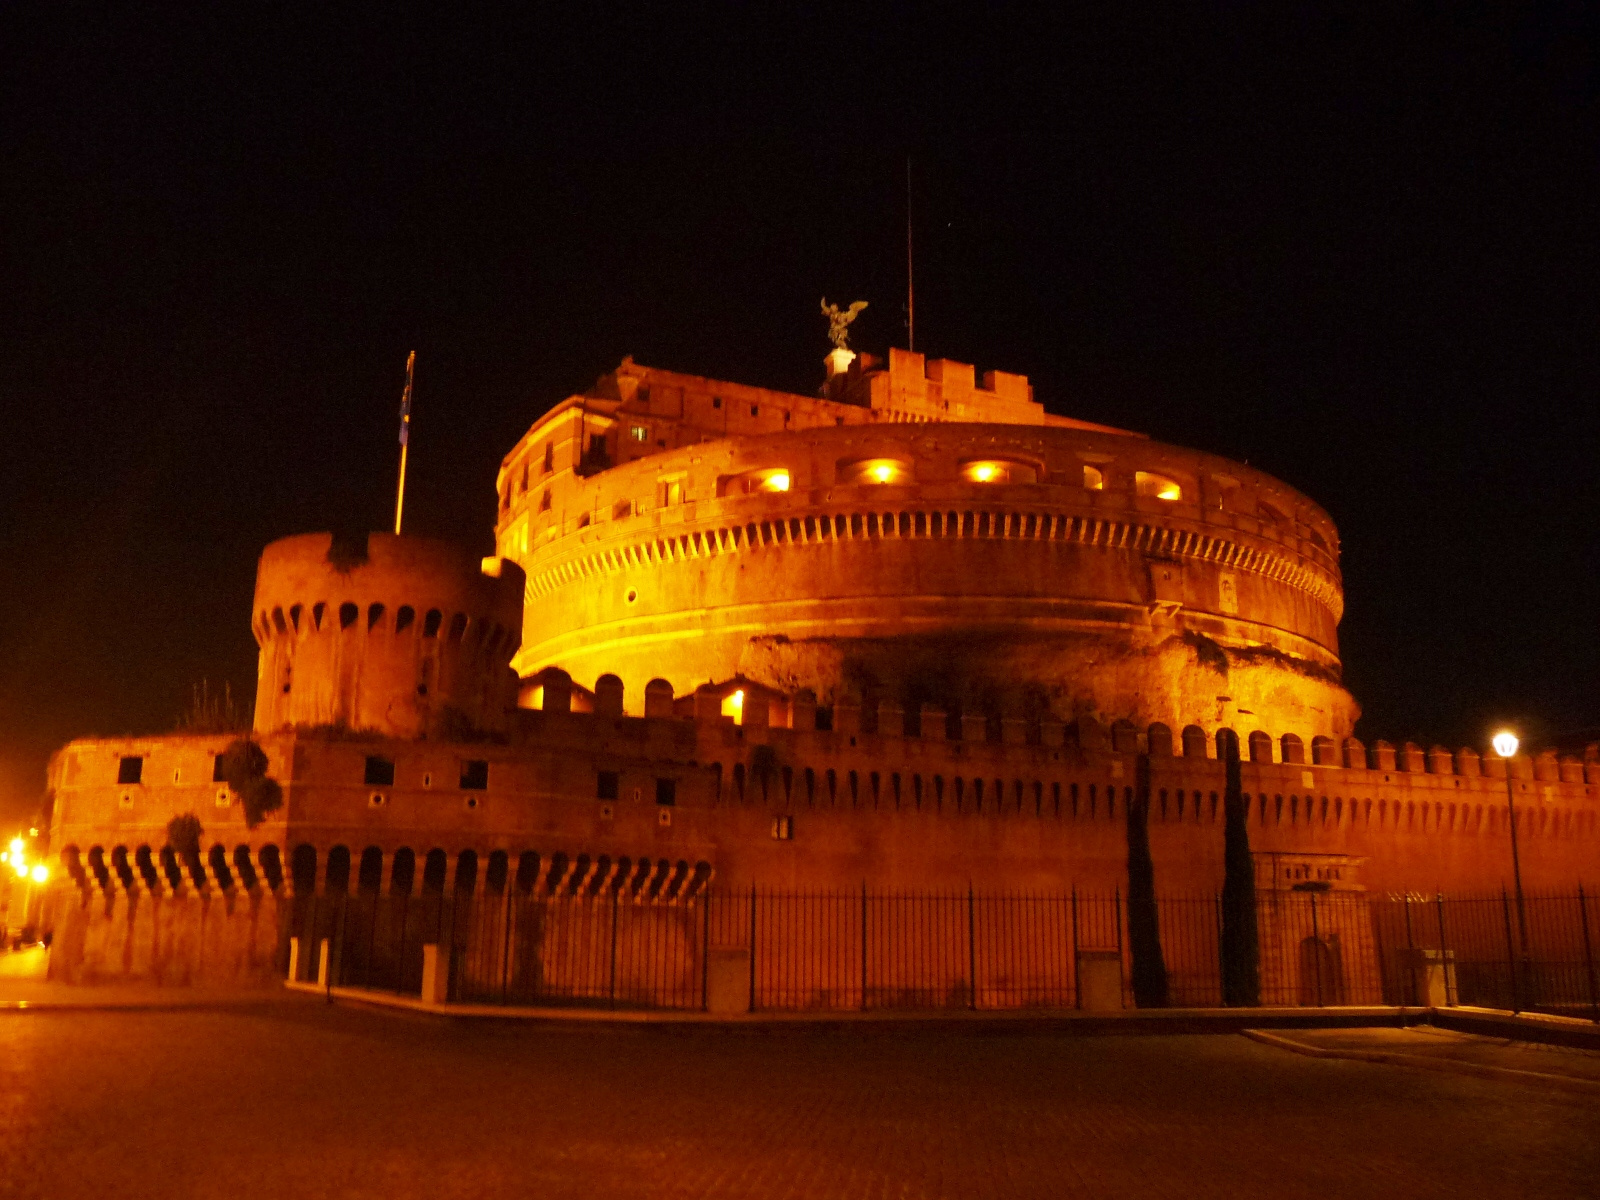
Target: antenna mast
405, 439
911, 294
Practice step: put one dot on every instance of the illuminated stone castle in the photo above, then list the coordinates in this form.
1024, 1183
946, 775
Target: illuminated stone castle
915, 634
915, 538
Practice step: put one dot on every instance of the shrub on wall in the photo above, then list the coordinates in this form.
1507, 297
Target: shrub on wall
244, 767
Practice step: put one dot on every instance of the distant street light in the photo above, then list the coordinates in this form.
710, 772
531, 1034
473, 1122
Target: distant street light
1505, 745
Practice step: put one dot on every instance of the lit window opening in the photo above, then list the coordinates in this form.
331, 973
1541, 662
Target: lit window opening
875, 471
1161, 487
998, 470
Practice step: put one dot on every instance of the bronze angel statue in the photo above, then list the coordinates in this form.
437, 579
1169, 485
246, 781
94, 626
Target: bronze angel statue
839, 322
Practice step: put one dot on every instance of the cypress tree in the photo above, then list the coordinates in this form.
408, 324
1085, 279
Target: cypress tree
1144, 931
1241, 946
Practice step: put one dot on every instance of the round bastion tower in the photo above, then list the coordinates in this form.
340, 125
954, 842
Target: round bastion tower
404, 636
914, 537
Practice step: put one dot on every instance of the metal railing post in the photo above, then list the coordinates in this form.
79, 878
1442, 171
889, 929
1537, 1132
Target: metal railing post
705, 950
1511, 952
612, 987
752, 946
1411, 952
1588, 955
972, 950
1077, 998
863, 945
1446, 964
1316, 949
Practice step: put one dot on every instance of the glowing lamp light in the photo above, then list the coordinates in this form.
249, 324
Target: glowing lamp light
882, 473
41, 873
16, 845
733, 706
1505, 743
778, 481
22, 868
5, 856
1170, 492
984, 472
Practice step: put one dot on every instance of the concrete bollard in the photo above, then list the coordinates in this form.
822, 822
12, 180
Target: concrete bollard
728, 981
1099, 980
435, 975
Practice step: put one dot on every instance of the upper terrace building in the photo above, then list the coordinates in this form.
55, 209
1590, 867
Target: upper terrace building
915, 537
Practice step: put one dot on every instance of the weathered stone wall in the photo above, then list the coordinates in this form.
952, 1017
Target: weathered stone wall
1218, 604
224, 939
1041, 808
400, 635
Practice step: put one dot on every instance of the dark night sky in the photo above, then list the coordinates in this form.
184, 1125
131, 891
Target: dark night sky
1358, 251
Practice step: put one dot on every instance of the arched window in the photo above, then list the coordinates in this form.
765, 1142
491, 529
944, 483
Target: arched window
218, 861
1260, 747
466, 872
370, 876
433, 871
244, 868
272, 867
1158, 487
403, 617
374, 616
431, 622
338, 876
348, 613
303, 868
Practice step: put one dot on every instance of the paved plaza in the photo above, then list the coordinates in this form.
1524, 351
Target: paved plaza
292, 1098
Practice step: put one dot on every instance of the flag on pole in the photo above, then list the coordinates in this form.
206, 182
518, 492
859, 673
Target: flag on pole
405, 402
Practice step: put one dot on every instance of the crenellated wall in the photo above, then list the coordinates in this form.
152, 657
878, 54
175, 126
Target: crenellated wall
579, 796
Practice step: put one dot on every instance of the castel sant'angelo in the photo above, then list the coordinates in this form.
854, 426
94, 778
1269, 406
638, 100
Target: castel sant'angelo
913, 633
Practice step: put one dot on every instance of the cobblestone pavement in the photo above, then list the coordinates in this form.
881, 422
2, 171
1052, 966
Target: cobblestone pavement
301, 1100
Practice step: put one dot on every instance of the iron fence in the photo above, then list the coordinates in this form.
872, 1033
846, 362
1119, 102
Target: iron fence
859, 949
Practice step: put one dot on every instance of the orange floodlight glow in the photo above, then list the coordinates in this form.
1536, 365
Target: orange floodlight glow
733, 706
41, 873
778, 481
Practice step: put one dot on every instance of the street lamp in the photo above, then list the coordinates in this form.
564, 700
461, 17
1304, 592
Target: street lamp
1505, 745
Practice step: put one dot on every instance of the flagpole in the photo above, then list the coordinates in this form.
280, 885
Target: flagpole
911, 293
405, 439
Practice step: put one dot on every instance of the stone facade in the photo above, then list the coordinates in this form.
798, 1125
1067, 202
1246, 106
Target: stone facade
881, 548
912, 636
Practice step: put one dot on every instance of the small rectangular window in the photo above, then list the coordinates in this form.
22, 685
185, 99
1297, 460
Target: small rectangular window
474, 774
639, 433
130, 769
716, 402
218, 770
606, 785
380, 771
783, 829
666, 791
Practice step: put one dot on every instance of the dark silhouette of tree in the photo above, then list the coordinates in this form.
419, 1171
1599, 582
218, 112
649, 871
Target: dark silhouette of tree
1144, 931
183, 835
1241, 944
244, 768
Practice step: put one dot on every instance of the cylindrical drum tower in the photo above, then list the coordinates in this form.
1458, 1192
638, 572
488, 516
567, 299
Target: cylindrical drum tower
404, 636
955, 548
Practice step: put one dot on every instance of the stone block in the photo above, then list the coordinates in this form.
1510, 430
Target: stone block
1099, 980
728, 981
435, 975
